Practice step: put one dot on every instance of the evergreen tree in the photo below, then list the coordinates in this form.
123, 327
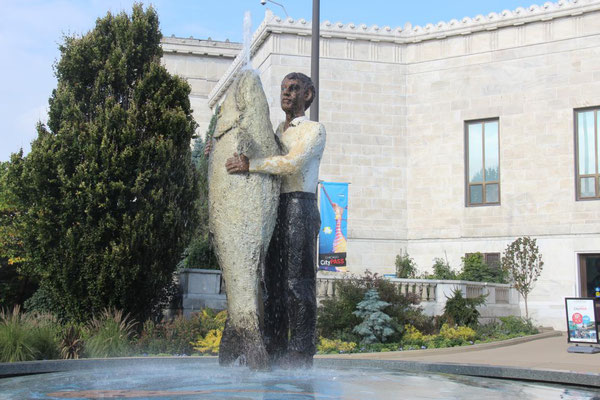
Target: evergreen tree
16, 284
200, 253
109, 186
377, 325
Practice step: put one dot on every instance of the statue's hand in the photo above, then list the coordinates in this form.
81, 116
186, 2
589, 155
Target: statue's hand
237, 164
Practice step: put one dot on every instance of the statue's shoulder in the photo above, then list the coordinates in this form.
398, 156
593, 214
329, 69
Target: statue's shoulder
313, 126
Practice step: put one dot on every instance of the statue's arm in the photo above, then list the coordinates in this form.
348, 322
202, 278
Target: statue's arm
311, 145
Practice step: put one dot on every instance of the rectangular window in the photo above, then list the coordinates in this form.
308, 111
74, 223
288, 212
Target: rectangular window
483, 162
492, 260
588, 152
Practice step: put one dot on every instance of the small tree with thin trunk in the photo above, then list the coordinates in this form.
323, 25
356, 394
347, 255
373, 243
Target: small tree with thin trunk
523, 262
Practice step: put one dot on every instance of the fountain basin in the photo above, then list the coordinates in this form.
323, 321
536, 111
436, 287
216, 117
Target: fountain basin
191, 377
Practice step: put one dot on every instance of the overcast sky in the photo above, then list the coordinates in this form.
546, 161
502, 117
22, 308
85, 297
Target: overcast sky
31, 30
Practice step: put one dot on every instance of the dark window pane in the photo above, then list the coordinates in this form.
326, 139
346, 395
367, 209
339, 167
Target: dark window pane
476, 194
492, 260
592, 264
491, 193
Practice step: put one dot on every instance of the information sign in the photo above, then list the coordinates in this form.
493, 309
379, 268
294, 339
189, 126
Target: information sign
581, 320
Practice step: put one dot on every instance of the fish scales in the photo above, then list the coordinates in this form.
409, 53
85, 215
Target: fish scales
242, 216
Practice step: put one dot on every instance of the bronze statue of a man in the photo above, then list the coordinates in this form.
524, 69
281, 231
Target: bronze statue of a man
290, 267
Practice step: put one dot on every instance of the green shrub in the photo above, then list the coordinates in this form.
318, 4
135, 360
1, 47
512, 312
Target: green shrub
200, 254
380, 347
506, 328
181, 332
176, 336
41, 301
25, 337
517, 325
109, 335
209, 344
45, 331
335, 318
442, 270
476, 270
405, 266
71, 341
151, 339
328, 346
16, 342
462, 311
412, 336
447, 337
335, 315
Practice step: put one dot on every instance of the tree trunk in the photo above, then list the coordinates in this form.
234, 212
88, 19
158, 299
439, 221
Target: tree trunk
526, 310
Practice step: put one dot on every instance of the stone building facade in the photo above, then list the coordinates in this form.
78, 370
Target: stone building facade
413, 114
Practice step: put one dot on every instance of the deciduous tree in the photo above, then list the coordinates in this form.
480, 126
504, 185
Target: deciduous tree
523, 262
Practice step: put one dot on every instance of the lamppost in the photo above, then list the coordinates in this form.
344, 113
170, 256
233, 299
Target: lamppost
314, 58
314, 52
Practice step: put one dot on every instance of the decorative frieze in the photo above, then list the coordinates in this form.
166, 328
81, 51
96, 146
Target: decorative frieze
494, 40
397, 53
411, 35
275, 43
350, 49
303, 44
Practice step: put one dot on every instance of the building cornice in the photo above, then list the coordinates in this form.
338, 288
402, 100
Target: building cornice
407, 34
215, 48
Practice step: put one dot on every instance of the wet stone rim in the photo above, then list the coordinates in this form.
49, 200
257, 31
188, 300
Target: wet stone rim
524, 374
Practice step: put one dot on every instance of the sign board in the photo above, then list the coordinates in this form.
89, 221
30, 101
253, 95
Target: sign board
581, 320
334, 226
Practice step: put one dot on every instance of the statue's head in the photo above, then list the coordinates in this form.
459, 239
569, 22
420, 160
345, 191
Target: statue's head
306, 87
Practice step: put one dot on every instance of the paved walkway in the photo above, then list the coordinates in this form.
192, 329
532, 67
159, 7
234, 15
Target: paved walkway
547, 351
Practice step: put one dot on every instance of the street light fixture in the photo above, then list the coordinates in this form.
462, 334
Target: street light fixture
264, 2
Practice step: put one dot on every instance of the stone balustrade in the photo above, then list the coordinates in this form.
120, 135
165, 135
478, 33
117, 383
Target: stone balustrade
501, 299
202, 288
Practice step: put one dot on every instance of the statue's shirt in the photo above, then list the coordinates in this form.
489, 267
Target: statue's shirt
303, 144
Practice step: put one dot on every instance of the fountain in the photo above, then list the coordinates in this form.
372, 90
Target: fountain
343, 379
181, 378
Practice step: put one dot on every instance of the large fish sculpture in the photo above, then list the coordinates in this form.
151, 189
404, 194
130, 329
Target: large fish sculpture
242, 215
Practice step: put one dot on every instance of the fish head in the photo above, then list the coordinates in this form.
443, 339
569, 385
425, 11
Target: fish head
229, 115
242, 101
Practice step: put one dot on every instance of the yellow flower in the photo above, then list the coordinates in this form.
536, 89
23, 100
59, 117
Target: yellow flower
210, 343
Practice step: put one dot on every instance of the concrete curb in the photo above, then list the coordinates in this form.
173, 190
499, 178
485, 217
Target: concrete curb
487, 371
448, 350
48, 366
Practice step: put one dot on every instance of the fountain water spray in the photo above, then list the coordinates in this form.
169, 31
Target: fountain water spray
247, 40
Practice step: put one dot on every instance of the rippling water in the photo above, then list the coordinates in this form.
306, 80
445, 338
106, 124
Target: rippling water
208, 381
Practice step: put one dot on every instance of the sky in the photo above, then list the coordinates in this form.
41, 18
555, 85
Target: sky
31, 31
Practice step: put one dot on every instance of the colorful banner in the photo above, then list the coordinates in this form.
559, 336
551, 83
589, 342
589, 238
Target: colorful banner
581, 320
334, 226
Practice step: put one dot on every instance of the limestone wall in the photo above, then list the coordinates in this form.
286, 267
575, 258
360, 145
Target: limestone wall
202, 63
531, 78
395, 101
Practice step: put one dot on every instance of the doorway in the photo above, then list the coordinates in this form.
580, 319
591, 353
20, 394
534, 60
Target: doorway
589, 274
